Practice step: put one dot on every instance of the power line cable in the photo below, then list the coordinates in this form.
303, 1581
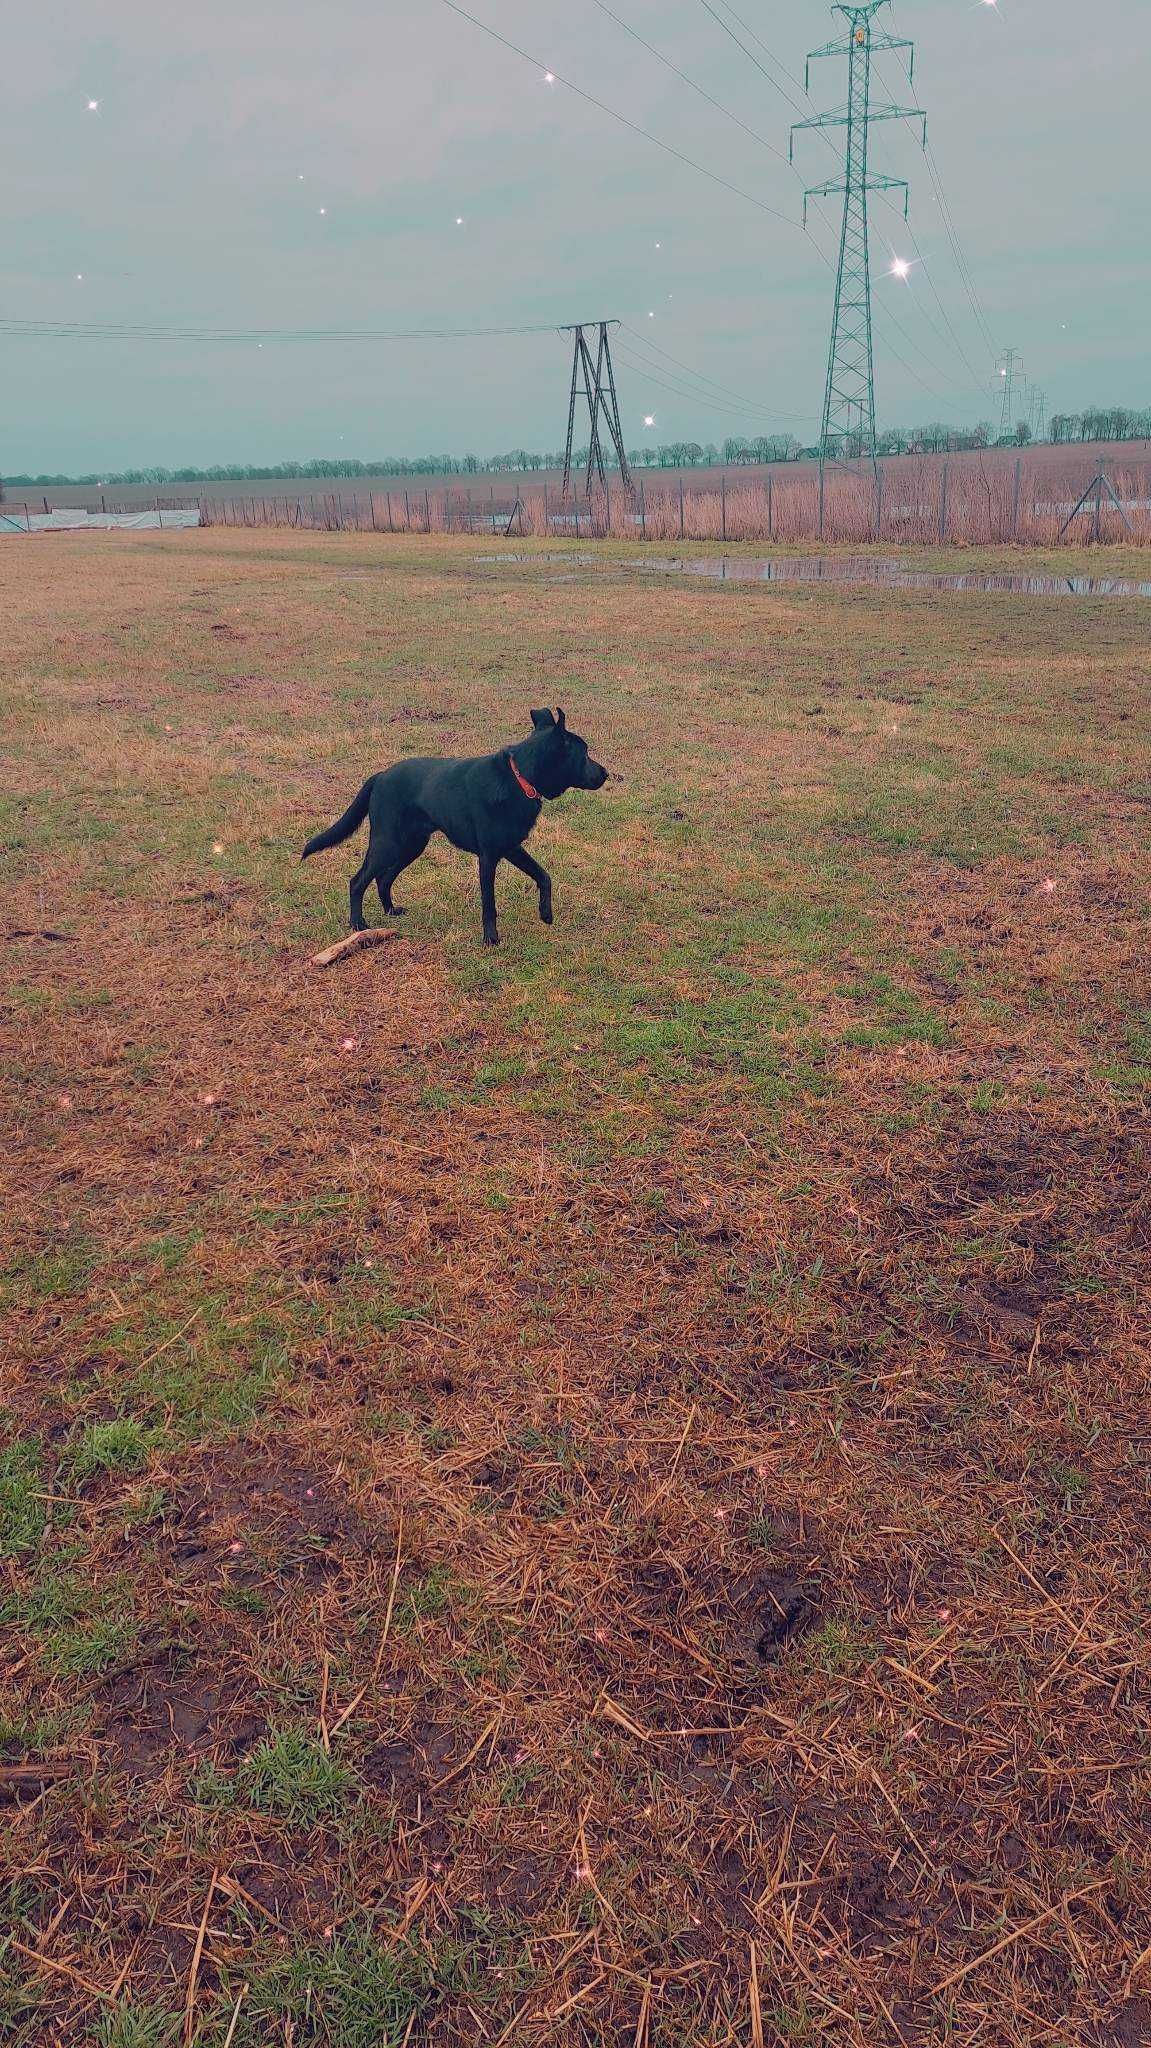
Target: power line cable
679, 390
797, 107
960, 254
750, 54
640, 340
952, 330
836, 152
65, 330
965, 271
714, 177
603, 107
688, 80
124, 331
767, 50
634, 126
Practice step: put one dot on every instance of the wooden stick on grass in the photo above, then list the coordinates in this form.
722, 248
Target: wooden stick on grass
1016, 1934
194, 1971
352, 944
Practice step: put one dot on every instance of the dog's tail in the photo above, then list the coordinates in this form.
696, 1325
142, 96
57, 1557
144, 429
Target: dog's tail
343, 828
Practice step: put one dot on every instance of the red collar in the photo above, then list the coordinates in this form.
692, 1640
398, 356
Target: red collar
524, 785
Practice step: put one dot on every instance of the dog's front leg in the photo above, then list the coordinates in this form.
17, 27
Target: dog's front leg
540, 876
488, 866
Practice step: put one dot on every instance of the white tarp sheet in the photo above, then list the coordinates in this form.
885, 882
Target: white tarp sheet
65, 519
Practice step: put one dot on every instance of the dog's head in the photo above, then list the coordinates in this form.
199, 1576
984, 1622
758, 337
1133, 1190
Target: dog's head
560, 759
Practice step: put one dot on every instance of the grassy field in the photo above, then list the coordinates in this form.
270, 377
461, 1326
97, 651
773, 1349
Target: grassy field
594, 1493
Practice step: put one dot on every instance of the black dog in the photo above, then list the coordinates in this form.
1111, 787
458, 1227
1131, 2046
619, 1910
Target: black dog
486, 806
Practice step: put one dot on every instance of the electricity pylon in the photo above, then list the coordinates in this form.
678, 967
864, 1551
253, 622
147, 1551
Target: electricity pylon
849, 396
1009, 365
1036, 411
598, 387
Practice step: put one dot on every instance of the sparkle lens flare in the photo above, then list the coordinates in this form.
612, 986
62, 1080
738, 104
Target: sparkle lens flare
900, 266
459, 220
93, 106
649, 419
549, 78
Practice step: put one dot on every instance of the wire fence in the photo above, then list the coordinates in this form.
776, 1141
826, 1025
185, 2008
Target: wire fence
931, 501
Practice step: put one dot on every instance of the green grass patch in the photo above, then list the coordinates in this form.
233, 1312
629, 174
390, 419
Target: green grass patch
23, 1507
426, 1598
79, 1629
288, 1774
356, 1991
133, 2024
121, 1445
900, 1017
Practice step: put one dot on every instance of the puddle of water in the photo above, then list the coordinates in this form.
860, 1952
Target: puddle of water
847, 569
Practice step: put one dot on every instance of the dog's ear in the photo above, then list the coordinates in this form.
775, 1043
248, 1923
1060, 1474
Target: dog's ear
561, 717
542, 719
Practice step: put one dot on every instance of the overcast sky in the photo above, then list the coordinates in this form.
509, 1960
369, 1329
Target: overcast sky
272, 164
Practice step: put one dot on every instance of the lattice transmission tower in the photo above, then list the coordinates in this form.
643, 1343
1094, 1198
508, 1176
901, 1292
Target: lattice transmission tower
849, 395
1010, 368
595, 381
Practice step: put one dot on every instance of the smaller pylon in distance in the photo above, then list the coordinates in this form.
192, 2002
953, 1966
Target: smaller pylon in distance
595, 382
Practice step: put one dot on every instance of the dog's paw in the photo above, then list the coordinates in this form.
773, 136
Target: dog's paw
545, 913
491, 938
397, 910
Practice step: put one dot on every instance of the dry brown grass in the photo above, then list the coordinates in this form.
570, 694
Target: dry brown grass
696, 1499
971, 500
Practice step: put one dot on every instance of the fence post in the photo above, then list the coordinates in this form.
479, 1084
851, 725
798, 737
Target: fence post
681, 508
1015, 498
577, 517
770, 508
943, 504
821, 499
642, 511
407, 514
27, 516
1098, 507
607, 504
878, 504
372, 503
427, 513
723, 507
547, 514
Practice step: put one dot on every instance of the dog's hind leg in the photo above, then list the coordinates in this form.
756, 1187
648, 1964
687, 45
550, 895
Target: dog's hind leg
359, 882
394, 864
489, 862
540, 876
